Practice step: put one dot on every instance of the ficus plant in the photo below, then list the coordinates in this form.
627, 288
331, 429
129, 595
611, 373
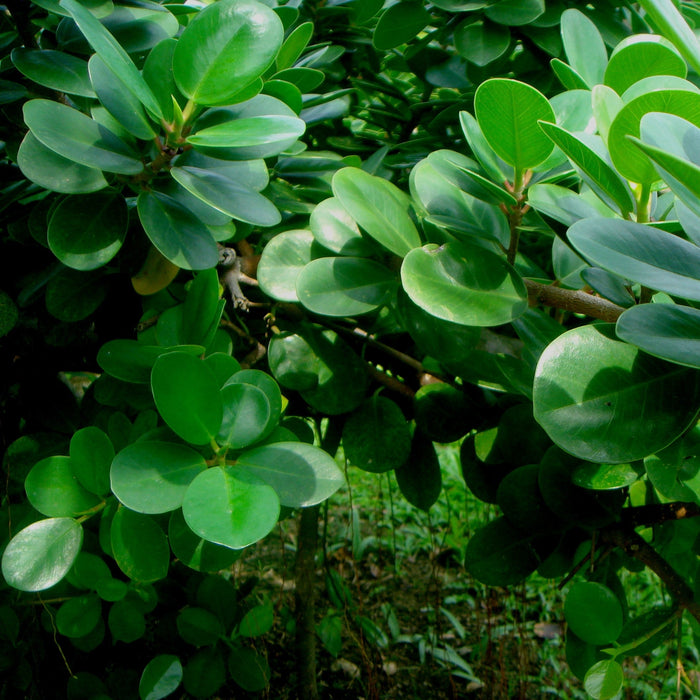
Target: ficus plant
239, 236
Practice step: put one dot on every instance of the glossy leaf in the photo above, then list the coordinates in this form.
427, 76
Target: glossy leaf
601, 176
53, 489
508, 112
626, 156
228, 506
603, 477
377, 206
187, 396
481, 42
283, 258
54, 69
228, 196
87, 231
604, 680
152, 477
202, 309
336, 230
399, 24
464, 284
666, 16
76, 137
344, 286
654, 258
41, 554
584, 46
377, 437
54, 172
247, 415
176, 232
663, 330
139, 546
641, 56
91, 455
593, 612
620, 405
515, 12
161, 677
224, 49
110, 51
301, 475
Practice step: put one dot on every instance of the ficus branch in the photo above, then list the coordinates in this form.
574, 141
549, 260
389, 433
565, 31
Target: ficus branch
572, 300
657, 513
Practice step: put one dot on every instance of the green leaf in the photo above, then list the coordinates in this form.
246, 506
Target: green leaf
654, 258
9, 314
301, 475
377, 437
604, 477
76, 137
161, 677
378, 207
87, 231
79, 616
344, 286
52, 488
673, 150
54, 172
673, 26
247, 415
231, 197
641, 56
497, 169
225, 48
118, 101
399, 24
152, 477
202, 309
604, 680
54, 69
306, 80
626, 156
584, 46
263, 381
294, 45
269, 134
187, 396
91, 455
663, 330
176, 232
199, 627
72, 295
126, 622
674, 471
337, 231
228, 506
481, 42
508, 112
606, 104
195, 552
41, 554
568, 77
618, 406
139, 546
522, 502
283, 258
515, 13
420, 478
499, 554
158, 74
593, 612
111, 52
464, 284
597, 173
444, 413
205, 673
257, 621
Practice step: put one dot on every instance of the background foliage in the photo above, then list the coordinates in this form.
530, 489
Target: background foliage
239, 236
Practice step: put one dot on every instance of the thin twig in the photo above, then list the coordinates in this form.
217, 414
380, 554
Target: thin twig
572, 300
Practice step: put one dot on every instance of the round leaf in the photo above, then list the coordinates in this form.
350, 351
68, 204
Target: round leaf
282, 259
91, 455
606, 401
249, 669
481, 42
230, 507
152, 477
139, 546
187, 396
52, 488
336, 230
87, 231
301, 475
224, 49
594, 613
160, 678
508, 112
420, 478
399, 24
54, 69
344, 286
604, 680
78, 616
464, 283
41, 554
199, 627
246, 418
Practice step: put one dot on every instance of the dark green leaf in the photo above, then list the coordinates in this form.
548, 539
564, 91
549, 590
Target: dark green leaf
161, 677
54, 69
139, 545
420, 478
399, 24
593, 612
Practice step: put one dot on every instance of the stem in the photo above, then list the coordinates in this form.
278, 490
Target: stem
516, 212
643, 197
573, 300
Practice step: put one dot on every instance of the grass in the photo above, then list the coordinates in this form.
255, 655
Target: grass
401, 618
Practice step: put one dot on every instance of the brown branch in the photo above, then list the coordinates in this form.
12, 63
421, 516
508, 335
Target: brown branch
635, 546
657, 513
389, 382
572, 300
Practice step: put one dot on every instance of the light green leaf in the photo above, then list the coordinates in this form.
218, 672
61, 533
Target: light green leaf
508, 112
584, 46
481, 42
161, 677
283, 258
604, 680
399, 24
